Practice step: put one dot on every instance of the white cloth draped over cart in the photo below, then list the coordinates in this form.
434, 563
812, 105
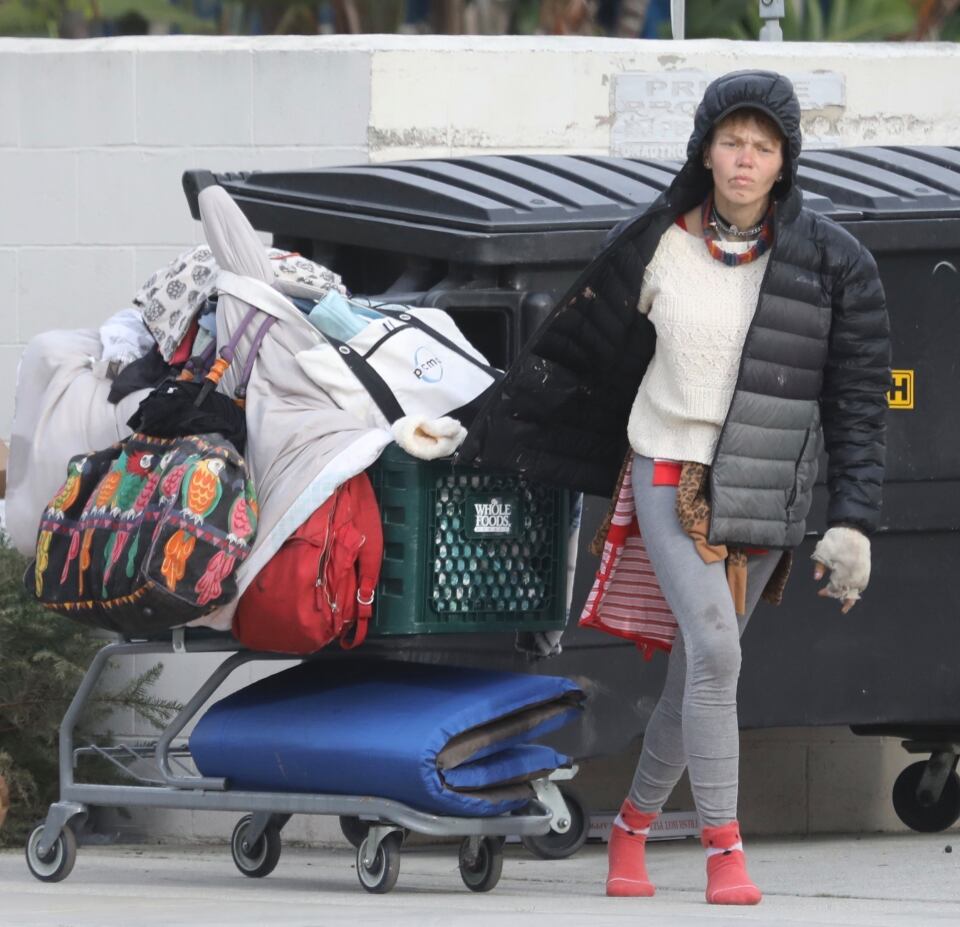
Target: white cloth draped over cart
300, 445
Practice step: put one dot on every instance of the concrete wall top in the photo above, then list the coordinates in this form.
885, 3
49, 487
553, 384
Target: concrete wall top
95, 134
390, 42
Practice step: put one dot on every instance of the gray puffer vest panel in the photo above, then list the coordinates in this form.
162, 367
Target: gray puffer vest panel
820, 316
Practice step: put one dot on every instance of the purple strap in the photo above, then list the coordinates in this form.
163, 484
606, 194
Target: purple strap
228, 351
241, 391
200, 363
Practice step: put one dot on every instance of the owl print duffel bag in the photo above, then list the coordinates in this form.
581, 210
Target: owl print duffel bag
146, 534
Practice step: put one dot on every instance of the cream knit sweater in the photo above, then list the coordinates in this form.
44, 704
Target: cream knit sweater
701, 309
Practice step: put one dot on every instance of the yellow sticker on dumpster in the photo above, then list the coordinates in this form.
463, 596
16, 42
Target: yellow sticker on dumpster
901, 393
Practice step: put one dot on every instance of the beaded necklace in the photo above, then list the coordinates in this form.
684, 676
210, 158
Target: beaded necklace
710, 222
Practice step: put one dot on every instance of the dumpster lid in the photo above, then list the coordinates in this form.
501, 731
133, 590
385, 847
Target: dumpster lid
463, 208
885, 182
480, 194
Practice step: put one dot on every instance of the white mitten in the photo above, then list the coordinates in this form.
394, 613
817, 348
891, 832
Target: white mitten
428, 438
846, 553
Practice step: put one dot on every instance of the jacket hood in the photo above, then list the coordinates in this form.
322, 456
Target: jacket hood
767, 91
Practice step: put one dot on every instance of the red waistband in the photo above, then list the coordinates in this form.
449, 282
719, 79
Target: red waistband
667, 473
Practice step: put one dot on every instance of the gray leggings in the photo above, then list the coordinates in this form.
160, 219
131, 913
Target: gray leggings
695, 722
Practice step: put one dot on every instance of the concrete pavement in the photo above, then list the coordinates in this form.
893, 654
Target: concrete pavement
880, 881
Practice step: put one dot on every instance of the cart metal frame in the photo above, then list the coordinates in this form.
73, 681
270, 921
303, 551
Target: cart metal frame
176, 786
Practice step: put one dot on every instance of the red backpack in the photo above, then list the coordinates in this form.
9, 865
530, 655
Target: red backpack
322, 580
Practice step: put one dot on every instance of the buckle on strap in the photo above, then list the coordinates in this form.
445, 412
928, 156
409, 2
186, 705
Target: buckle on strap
362, 601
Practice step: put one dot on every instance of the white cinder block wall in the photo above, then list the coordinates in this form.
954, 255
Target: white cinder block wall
94, 136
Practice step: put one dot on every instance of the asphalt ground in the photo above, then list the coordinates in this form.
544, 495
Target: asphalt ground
877, 880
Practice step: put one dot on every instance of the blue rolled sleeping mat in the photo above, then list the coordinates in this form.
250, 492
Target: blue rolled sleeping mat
447, 740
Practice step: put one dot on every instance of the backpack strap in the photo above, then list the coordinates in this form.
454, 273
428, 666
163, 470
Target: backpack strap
199, 363
366, 519
240, 393
227, 352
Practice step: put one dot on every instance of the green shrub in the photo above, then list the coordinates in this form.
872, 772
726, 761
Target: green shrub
43, 657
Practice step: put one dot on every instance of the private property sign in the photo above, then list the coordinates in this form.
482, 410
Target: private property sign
653, 110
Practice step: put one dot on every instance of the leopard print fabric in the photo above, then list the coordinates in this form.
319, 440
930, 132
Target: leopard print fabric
777, 584
693, 510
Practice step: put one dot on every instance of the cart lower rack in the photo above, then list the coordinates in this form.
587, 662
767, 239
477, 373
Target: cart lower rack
377, 826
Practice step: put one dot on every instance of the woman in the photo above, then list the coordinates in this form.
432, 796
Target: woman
715, 339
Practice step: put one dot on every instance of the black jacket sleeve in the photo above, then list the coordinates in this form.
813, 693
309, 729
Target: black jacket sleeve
854, 397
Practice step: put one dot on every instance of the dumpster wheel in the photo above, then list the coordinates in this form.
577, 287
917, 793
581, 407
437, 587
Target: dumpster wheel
927, 817
260, 859
58, 863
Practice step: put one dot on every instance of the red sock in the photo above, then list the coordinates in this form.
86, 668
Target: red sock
727, 879
627, 876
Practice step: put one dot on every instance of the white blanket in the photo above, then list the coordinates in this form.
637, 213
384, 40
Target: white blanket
61, 410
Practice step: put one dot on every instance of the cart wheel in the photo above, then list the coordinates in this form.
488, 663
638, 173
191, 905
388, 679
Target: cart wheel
260, 859
355, 830
927, 819
381, 875
58, 863
481, 872
554, 845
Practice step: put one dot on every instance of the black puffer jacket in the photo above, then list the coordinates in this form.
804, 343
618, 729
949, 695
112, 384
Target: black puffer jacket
815, 362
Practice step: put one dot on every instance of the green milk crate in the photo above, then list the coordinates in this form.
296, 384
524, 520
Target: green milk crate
467, 550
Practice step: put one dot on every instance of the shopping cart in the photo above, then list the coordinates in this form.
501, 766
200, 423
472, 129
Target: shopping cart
439, 576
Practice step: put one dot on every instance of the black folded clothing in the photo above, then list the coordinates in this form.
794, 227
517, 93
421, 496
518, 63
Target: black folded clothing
171, 411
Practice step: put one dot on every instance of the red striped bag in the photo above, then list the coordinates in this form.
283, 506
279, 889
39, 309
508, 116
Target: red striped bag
626, 599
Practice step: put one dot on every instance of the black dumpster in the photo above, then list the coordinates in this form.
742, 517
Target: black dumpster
495, 241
